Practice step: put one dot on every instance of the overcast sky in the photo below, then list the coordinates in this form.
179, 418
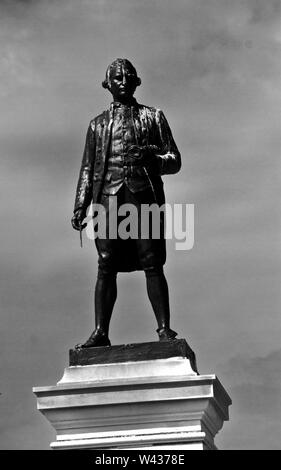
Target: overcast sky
214, 67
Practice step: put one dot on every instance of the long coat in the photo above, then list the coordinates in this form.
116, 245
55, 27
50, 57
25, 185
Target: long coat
151, 128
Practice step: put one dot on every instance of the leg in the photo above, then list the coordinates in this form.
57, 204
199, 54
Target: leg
158, 294
105, 294
105, 297
157, 287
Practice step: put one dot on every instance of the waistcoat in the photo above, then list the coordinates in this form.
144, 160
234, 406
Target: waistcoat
120, 168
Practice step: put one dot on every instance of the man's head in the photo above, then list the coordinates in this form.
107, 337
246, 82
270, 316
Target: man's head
121, 79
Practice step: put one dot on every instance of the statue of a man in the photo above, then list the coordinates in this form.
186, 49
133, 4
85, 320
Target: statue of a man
128, 148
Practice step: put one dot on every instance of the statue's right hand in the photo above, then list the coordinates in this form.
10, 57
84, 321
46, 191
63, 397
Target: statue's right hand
77, 220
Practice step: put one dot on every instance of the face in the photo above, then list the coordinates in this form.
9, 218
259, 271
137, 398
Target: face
122, 82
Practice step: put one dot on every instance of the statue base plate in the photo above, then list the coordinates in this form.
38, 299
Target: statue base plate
132, 352
130, 361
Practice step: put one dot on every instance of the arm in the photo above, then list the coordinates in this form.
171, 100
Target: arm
162, 157
85, 181
169, 158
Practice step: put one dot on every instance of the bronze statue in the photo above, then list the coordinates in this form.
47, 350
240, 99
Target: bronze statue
128, 148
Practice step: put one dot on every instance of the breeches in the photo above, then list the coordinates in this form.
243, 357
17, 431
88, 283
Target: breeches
116, 254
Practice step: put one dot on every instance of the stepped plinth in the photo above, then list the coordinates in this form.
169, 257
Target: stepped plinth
135, 396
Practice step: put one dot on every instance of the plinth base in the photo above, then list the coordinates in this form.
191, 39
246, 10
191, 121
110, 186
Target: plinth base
157, 403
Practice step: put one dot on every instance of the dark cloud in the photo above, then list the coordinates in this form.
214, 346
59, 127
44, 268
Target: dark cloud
265, 11
17, 8
255, 387
255, 382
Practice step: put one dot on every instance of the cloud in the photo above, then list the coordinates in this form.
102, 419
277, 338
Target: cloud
255, 383
268, 11
255, 388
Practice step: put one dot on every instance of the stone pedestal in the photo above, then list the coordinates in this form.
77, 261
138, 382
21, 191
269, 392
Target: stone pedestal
140, 396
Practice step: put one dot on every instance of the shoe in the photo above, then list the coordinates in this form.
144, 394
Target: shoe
166, 334
97, 338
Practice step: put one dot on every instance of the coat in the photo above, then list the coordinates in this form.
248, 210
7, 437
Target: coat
151, 128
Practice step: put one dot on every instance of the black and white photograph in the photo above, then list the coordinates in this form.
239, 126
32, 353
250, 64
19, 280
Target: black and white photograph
140, 227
